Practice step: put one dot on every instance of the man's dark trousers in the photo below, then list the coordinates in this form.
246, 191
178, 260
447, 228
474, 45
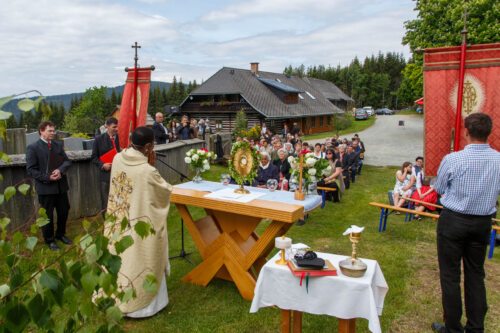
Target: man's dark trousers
104, 187
464, 237
60, 203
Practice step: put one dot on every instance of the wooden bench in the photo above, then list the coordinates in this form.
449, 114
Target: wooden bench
384, 213
494, 229
323, 190
423, 203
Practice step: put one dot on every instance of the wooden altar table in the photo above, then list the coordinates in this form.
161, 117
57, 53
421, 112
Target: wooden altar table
226, 237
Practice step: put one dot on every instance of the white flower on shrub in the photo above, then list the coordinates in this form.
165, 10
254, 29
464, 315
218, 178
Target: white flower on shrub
291, 159
309, 155
313, 179
311, 172
187, 160
205, 162
188, 154
206, 167
201, 152
195, 157
310, 161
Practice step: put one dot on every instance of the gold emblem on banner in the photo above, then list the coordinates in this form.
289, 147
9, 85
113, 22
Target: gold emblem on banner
469, 99
138, 102
473, 96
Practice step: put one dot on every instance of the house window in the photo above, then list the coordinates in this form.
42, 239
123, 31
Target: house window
313, 121
321, 121
310, 95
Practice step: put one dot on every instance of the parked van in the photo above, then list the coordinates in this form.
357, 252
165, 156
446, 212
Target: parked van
369, 110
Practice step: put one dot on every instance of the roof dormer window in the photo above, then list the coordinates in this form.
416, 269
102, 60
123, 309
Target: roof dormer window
310, 95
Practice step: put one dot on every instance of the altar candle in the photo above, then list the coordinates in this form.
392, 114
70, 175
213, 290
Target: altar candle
282, 242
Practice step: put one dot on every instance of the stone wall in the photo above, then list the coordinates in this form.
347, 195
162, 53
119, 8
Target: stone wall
83, 180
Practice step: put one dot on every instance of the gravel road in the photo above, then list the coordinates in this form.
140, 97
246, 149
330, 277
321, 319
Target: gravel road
387, 143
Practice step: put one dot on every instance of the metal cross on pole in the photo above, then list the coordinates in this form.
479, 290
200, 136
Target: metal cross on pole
136, 46
134, 100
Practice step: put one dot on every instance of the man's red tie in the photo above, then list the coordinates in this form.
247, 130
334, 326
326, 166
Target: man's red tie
49, 144
113, 142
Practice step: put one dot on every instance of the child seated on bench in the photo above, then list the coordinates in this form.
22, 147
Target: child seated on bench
425, 192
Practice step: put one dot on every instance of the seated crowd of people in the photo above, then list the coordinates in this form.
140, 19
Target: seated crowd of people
344, 156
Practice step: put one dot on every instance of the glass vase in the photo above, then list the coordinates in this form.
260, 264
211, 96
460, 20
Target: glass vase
197, 177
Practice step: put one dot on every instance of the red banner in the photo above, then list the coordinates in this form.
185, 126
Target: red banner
480, 94
133, 116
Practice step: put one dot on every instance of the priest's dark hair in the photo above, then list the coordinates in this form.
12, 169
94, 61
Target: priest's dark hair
111, 120
142, 135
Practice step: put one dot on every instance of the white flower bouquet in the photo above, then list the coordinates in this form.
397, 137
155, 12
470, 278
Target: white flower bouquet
199, 160
313, 168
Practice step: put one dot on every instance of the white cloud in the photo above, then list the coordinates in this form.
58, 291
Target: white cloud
43, 39
274, 7
65, 46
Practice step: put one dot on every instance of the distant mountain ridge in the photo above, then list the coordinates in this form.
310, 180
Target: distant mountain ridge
66, 98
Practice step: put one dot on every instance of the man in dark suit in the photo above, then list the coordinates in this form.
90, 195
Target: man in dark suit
159, 130
346, 164
47, 163
103, 144
184, 130
353, 161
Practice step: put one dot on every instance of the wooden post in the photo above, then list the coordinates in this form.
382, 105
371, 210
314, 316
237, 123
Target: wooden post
347, 325
297, 321
285, 321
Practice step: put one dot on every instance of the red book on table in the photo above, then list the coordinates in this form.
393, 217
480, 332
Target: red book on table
108, 157
329, 270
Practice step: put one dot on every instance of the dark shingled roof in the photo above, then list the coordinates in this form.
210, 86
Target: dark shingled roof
279, 85
329, 90
262, 99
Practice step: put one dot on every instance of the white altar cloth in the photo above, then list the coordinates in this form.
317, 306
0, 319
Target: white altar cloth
311, 201
339, 296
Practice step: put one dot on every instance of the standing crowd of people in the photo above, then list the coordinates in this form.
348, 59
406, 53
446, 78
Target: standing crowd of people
184, 130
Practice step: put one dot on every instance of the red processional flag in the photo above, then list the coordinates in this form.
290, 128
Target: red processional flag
480, 94
132, 116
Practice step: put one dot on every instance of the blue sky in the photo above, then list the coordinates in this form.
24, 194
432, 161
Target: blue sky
64, 46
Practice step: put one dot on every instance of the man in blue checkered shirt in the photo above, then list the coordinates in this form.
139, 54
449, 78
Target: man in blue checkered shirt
469, 181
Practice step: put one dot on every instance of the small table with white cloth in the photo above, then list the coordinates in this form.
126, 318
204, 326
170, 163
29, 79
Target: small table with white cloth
340, 296
226, 236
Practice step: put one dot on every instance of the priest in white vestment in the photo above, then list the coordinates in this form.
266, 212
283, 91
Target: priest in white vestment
139, 193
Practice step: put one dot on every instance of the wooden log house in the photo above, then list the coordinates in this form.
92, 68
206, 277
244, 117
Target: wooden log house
272, 98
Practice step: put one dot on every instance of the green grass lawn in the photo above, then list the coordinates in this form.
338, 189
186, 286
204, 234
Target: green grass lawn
406, 253
410, 112
356, 126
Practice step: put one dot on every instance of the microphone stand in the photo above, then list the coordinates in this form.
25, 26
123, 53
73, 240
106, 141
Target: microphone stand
183, 254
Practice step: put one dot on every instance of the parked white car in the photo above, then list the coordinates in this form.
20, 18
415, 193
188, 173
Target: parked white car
369, 110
